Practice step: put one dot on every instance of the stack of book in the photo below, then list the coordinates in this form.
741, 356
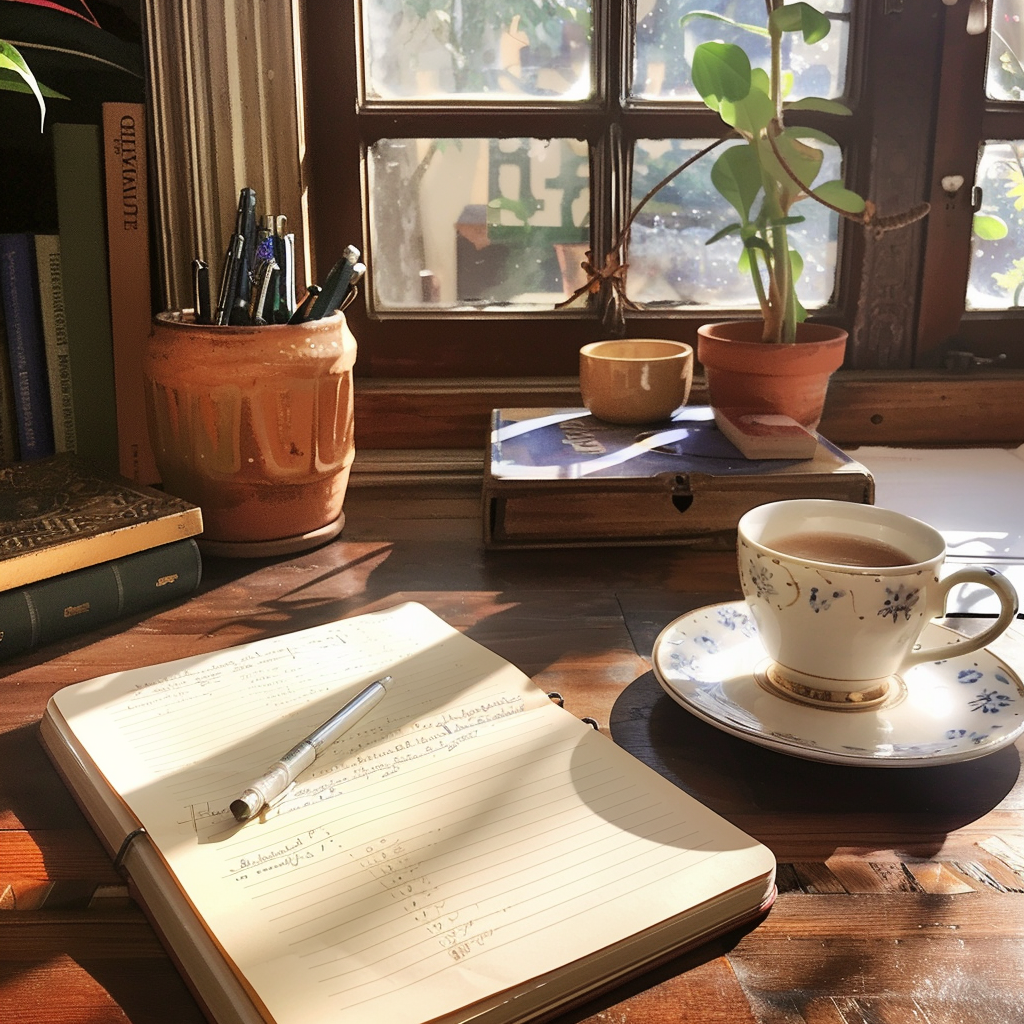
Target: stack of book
75, 306
79, 549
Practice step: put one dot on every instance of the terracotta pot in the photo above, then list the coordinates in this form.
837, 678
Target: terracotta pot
746, 375
255, 425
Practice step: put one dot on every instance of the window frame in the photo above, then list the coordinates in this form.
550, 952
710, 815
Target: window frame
898, 294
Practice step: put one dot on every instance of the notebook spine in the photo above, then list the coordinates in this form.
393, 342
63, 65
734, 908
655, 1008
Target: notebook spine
63, 606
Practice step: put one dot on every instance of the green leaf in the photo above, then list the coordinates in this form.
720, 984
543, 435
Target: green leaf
803, 160
785, 222
12, 82
749, 115
730, 229
820, 104
759, 80
803, 132
989, 228
800, 17
721, 71
737, 177
12, 60
837, 194
712, 16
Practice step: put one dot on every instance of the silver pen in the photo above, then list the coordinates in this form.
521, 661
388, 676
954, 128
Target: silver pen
280, 775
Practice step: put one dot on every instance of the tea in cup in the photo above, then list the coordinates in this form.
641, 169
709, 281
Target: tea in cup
841, 592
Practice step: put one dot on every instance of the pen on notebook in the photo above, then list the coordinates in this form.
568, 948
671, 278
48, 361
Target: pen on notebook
280, 775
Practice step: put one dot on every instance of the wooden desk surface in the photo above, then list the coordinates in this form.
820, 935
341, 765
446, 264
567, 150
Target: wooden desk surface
901, 890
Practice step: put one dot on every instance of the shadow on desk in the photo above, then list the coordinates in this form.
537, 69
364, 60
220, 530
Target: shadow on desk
772, 795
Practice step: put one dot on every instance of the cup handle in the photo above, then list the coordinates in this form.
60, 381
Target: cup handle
1008, 605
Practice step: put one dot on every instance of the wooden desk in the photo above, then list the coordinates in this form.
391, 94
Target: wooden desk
901, 890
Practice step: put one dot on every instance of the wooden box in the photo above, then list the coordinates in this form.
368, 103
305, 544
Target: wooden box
562, 478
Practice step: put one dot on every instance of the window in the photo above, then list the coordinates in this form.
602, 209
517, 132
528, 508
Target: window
529, 136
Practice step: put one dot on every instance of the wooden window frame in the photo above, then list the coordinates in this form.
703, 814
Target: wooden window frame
899, 293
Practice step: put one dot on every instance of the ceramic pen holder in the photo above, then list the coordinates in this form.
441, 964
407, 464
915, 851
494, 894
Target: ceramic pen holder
254, 425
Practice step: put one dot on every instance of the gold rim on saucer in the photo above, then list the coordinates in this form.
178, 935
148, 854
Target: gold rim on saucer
769, 676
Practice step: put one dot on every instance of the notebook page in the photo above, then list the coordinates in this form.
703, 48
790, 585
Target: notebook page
465, 837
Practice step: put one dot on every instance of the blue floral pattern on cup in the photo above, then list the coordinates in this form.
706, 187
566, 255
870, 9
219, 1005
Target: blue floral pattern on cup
821, 600
899, 601
761, 580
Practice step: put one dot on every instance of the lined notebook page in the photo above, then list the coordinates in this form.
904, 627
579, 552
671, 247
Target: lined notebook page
465, 837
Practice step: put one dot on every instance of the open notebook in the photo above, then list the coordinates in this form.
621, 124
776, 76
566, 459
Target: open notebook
468, 851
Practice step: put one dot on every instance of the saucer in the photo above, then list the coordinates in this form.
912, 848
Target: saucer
712, 663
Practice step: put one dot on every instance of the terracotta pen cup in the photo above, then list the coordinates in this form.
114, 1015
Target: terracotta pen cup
254, 425
635, 381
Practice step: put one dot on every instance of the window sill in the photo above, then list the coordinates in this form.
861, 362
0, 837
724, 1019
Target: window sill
911, 407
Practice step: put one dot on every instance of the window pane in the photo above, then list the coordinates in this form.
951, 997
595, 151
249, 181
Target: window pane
664, 49
476, 222
997, 257
1005, 80
669, 260
432, 50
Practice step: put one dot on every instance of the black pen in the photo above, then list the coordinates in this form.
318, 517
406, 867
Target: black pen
229, 279
201, 291
357, 275
336, 286
301, 314
262, 290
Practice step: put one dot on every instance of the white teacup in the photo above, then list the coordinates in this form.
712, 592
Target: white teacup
840, 593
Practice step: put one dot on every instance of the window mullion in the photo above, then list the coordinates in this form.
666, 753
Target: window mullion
958, 135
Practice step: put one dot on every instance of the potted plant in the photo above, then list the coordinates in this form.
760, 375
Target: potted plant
780, 364
751, 366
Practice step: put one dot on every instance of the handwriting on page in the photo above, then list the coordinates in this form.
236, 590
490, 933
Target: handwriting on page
393, 751
460, 840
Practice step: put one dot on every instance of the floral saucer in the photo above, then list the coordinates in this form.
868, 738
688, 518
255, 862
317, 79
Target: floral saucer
712, 663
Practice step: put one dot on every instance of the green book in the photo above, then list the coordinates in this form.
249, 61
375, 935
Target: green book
78, 166
57, 608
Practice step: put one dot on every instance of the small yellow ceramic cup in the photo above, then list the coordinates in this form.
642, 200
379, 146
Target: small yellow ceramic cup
637, 380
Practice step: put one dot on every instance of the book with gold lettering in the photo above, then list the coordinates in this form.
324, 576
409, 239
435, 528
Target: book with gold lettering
468, 851
60, 514
126, 179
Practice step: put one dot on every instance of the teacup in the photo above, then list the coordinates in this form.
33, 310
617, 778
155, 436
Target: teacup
841, 592
637, 380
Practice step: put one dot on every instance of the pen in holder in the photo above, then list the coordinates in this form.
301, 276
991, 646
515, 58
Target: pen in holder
255, 425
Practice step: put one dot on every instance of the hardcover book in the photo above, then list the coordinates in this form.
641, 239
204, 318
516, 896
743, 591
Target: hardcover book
468, 851
126, 178
59, 514
562, 477
65, 605
20, 293
55, 338
78, 165
9, 450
